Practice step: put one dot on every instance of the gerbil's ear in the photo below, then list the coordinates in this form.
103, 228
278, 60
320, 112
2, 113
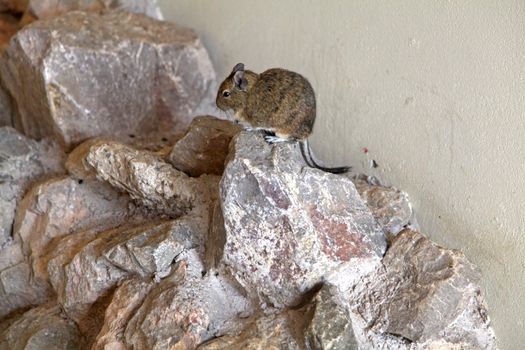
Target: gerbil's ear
238, 67
240, 80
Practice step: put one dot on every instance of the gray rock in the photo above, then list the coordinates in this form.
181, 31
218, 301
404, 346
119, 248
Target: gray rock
127, 299
204, 147
186, 309
290, 227
152, 182
425, 294
6, 107
44, 9
133, 75
271, 332
81, 276
330, 327
44, 327
22, 162
390, 206
49, 211
63, 206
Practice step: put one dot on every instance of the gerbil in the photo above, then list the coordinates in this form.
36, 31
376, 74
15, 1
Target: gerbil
277, 101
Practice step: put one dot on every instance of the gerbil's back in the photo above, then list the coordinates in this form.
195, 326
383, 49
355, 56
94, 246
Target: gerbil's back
282, 97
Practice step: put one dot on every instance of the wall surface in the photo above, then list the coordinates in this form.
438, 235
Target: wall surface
434, 89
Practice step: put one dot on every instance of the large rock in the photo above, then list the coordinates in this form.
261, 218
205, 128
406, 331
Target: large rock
330, 327
204, 147
6, 107
152, 182
44, 327
83, 272
49, 211
44, 9
186, 309
63, 206
425, 294
127, 299
133, 76
391, 207
290, 227
22, 162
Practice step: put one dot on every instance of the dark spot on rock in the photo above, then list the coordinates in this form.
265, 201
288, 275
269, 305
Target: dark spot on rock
132, 136
203, 273
80, 181
164, 139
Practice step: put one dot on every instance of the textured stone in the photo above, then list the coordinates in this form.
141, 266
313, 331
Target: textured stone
6, 107
63, 206
89, 270
44, 9
127, 299
44, 327
330, 326
425, 294
133, 75
22, 162
150, 181
204, 147
390, 206
186, 309
290, 227
13, 6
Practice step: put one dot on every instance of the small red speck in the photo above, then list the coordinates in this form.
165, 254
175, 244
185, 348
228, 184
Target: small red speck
365, 150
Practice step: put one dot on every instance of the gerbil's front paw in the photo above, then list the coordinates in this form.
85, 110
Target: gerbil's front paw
271, 139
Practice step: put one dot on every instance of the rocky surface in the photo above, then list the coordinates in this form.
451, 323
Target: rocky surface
44, 327
290, 227
44, 9
22, 162
204, 147
424, 294
6, 108
390, 206
13, 6
186, 309
133, 76
150, 181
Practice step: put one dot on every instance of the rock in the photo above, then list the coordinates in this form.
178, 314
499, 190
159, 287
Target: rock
44, 327
76, 163
87, 271
150, 181
77, 206
290, 227
425, 294
133, 76
204, 147
127, 299
390, 206
186, 309
330, 326
22, 162
44, 9
272, 332
13, 6
6, 108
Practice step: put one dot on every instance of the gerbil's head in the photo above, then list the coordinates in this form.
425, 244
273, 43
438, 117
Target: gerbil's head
232, 92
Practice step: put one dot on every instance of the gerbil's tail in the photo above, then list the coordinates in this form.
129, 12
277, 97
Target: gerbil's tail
310, 161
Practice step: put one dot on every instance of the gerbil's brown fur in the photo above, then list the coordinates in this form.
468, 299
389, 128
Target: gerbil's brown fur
277, 101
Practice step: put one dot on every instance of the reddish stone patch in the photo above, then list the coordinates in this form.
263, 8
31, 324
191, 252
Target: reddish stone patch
338, 242
273, 191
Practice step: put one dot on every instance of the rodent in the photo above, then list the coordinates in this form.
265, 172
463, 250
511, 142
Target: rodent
278, 101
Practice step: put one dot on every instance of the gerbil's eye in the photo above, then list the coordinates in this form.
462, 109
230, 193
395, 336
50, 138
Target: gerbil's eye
226, 93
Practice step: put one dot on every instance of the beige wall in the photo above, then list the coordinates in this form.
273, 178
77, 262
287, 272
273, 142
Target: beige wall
434, 89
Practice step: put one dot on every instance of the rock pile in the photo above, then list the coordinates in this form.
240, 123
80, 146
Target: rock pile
208, 239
